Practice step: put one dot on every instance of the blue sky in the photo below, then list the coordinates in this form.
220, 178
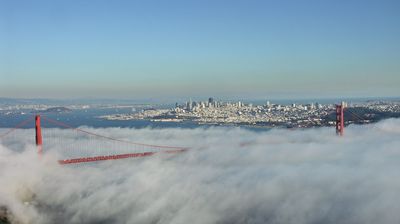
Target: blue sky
144, 49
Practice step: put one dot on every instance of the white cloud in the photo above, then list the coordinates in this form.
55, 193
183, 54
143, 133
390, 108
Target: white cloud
230, 175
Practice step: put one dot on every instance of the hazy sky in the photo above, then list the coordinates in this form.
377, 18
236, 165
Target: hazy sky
135, 49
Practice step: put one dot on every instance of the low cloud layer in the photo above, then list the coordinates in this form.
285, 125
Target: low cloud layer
230, 175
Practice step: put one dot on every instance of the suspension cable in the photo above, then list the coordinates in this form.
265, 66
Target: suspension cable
351, 111
21, 124
110, 138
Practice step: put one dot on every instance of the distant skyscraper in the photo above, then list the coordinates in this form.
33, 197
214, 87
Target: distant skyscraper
187, 105
210, 100
190, 104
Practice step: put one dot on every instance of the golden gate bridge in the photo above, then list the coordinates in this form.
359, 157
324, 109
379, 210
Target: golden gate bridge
96, 147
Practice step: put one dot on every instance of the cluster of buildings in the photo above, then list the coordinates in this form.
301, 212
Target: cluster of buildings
380, 106
192, 106
267, 115
216, 112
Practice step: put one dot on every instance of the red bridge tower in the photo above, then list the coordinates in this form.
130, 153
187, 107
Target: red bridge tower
340, 118
38, 134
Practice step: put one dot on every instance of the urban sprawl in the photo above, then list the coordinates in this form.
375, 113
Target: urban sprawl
269, 114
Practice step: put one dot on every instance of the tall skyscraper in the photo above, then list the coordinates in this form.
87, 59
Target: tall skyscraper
190, 104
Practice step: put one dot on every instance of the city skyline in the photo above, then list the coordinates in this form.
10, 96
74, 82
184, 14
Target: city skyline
254, 49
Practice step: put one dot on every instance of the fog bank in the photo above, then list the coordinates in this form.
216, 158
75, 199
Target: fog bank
230, 175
